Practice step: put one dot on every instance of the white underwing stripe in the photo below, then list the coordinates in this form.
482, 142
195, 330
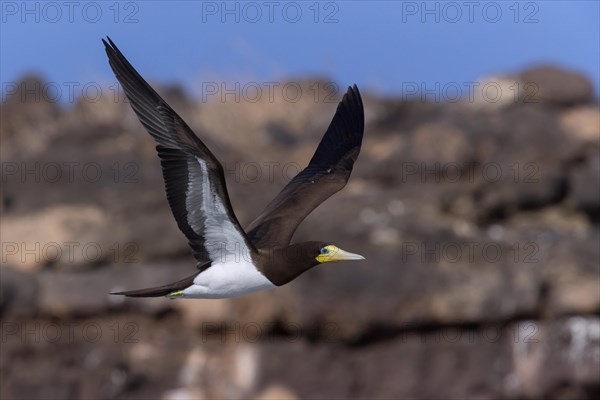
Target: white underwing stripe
232, 272
208, 217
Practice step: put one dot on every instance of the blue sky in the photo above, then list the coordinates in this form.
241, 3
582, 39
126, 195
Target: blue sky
381, 45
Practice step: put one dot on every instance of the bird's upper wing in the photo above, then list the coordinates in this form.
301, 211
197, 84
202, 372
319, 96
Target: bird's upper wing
194, 178
326, 173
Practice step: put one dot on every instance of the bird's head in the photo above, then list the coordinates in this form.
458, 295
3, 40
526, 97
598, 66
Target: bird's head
281, 265
332, 253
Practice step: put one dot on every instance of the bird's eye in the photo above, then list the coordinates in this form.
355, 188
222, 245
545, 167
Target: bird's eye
324, 250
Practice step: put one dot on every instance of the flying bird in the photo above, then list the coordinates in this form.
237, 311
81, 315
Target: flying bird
233, 261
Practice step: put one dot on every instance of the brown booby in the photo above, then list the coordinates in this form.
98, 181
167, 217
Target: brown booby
233, 261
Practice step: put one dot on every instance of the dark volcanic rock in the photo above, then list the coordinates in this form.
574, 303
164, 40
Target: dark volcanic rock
490, 361
585, 181
479, 225
19, 292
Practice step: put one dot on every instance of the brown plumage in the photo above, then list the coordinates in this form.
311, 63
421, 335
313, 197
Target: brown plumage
197, 192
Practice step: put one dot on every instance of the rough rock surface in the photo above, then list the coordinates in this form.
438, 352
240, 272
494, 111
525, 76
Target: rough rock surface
480, 226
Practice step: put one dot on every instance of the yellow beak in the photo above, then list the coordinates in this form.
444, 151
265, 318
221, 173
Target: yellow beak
336, 254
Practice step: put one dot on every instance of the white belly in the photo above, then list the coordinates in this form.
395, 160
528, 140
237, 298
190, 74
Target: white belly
227, 279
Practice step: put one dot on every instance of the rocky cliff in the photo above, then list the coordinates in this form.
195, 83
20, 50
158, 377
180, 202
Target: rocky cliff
479, 219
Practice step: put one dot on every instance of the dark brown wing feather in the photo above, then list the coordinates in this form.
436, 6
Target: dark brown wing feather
326, 173
180, 151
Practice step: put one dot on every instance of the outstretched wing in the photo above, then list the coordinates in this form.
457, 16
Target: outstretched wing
326, 173
194, 178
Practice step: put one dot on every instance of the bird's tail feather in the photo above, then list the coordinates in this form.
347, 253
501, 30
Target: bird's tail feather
160, 290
